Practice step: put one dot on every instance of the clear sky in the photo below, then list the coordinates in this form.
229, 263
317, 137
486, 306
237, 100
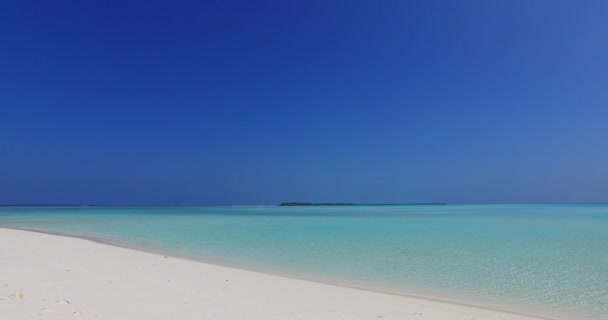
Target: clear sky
256, 102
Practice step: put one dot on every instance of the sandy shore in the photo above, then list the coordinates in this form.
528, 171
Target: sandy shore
45, 276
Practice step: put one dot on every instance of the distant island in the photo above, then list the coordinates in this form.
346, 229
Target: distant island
311, 204
308, 204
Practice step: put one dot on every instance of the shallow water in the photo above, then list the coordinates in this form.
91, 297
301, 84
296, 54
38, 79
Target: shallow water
550, 260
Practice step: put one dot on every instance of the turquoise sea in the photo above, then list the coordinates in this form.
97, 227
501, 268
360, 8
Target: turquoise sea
548, 260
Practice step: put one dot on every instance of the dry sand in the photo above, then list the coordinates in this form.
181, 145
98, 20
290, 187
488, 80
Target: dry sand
45, 276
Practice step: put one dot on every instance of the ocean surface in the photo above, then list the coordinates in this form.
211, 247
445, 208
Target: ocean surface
548, 260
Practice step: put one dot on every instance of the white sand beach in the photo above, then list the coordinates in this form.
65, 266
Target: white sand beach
45, 276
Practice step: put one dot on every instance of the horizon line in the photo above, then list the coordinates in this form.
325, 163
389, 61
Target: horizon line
278, 205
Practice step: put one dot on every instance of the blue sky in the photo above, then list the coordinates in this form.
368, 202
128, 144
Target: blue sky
260, 102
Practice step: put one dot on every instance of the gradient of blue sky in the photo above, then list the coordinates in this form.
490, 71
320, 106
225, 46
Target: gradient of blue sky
259, 102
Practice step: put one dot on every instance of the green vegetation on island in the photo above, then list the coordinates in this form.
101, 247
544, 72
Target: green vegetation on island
308, 204
311, 204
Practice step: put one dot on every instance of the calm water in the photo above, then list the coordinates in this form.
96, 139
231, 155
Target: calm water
550, 260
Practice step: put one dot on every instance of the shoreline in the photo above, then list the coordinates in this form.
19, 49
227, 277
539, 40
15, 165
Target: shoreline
286, 274
439, 304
